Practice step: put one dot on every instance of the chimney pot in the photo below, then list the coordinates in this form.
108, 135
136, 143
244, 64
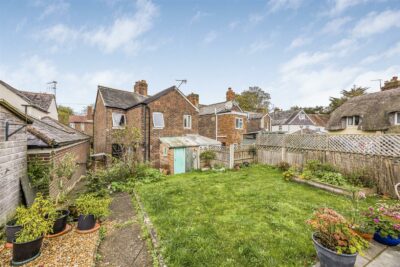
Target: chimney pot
89, 113
141, 87
194, 99
230, 95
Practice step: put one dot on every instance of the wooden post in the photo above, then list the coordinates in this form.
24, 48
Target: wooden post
284, 149
231, 156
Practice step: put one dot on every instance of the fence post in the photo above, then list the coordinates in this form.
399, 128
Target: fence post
198, 163
284, 148
231, 156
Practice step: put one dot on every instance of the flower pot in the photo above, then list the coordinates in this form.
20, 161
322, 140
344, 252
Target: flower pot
73, 212
11, 230
329, 258
61, 222
86, 222
366, 236
26, 252
388, 241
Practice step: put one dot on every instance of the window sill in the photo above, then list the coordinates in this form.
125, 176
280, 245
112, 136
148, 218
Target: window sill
118, 127
158, 128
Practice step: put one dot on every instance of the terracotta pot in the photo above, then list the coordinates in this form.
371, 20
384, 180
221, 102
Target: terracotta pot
366, 236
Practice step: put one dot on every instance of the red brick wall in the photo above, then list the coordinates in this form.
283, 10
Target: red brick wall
100, 126
207, 125
226, 129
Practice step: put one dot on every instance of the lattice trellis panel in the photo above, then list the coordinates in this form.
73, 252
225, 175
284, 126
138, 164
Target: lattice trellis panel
317, 142
271, 139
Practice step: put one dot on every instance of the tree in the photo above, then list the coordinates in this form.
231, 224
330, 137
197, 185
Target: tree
129, 139
254, 99
312, 110
63, 114
336, 102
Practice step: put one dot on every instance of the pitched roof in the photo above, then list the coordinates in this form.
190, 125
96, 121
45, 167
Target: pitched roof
319, 119
116, 98
14, 110
48, 132
41, 101
255, 115
373, 108
218, 107
283, 117
79, 118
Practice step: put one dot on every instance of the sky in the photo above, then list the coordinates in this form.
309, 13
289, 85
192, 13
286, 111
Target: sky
300, 51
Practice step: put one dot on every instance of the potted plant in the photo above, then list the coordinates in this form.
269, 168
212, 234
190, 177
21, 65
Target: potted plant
386, 219
336, 243
11, 229
91, 208
36, 221
361, 223
60, 223
208, 156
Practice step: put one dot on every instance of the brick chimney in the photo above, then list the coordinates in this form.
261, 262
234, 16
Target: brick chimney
89, 113
194, 99
393, 83
230, 94
141, 87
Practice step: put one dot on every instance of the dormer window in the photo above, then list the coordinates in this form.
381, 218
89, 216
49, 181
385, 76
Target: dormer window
118, 120
353, 121
302, 116
397, 118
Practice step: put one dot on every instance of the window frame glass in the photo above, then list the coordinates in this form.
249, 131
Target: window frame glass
350, 121
114, 120
187, 121
302, 116
397, 118
162, 120
238, 126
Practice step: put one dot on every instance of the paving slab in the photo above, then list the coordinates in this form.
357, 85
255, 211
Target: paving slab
388, 258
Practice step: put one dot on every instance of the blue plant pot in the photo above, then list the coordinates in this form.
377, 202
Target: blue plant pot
388, 241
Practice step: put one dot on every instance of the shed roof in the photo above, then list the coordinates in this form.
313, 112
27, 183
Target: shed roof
373, 108
48, 132
190, 140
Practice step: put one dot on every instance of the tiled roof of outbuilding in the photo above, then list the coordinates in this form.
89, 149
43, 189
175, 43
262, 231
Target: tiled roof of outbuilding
218, 107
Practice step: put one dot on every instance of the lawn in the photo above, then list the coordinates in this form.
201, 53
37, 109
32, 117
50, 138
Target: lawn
250, 217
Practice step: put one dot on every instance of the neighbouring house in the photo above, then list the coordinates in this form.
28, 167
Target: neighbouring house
13, 150
297, 121
373, 113
34, 104
83, 123
49, 141
225, 122
257, 123
168, 113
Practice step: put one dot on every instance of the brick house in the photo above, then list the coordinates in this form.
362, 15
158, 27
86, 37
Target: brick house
49, 141
13, 158
34, 104
168, 113
83, 123
297, 121
225, 121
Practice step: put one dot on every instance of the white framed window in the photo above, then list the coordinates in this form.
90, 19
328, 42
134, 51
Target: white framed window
280, 128
302, 116
119, 120
158, 120
72, 125
82, 126
353, 120
187, 121
397, 118
165, 151
239, 123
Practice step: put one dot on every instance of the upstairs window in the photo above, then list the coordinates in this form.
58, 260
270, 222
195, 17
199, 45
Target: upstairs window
187, 121
158, 120
72, 125
119, 120
353, 121
302, 116
397, 118
239, 123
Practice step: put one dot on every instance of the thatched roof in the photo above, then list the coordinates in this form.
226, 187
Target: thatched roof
373, 109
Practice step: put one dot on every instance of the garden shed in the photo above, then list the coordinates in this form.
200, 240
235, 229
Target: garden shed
50, 141
180, 154
12, 158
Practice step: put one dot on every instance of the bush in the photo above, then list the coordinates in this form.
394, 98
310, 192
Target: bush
37, 220
283, 166
360, 178
333, 178
291, 173
89, 204
145, 174
208, 156
39, 175
332, 231
317, 166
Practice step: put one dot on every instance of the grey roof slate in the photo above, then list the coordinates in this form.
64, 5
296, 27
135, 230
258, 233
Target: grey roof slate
218, 107
41, 101
282, 117
116, 98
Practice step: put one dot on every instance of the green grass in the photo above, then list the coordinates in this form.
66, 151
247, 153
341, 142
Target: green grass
251, 217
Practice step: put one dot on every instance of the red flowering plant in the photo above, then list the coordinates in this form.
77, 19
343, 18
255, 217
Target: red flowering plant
386, 219
333, 231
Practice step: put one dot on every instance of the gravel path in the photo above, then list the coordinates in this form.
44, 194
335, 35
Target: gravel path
123, 245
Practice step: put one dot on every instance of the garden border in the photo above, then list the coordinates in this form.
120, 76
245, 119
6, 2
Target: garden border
151, 230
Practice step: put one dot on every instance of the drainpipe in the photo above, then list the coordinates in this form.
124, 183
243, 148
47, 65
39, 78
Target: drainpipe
216, 124
146, 132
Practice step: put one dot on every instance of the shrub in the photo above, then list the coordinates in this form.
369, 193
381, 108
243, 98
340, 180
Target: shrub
333, 232
360, 178
283, 166
316, 165
39, 175
89, 204
291, 173
37, 220
386, 219
306, 175
208, 156
333, 178
145, 174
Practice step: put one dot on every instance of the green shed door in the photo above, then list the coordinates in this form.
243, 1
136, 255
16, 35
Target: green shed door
179, 160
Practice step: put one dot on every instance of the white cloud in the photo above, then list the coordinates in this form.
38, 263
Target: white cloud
299, 42
336, 25
123, 34
277, 5
389, 53
259, 46
210, 37
375, 23
198, 16
254, 19
58, 8
304, 60
340, 6
233, 25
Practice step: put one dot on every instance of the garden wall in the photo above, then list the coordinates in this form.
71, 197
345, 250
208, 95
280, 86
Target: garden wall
378, 156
